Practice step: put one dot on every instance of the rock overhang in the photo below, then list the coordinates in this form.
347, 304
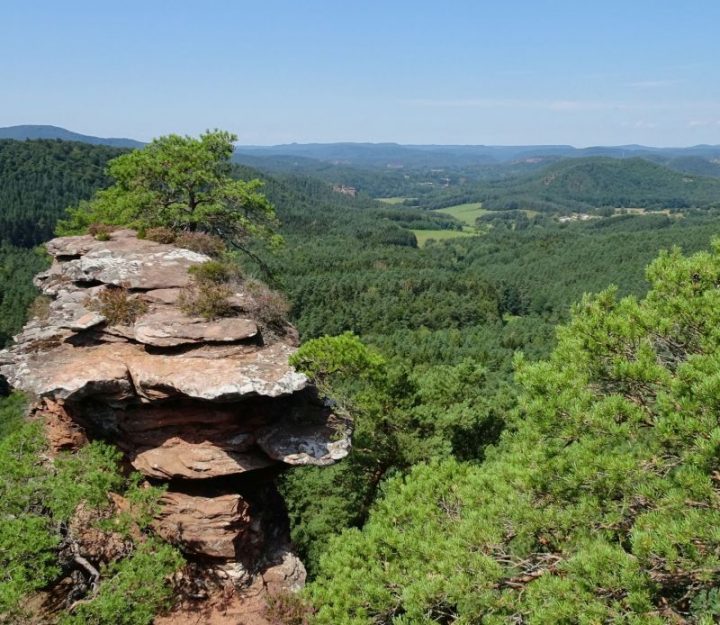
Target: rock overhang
188, 400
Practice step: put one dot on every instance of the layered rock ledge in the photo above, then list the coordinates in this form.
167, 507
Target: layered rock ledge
209, 407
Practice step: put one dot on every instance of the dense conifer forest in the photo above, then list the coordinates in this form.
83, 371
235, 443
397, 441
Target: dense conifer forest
40, 179
523, 452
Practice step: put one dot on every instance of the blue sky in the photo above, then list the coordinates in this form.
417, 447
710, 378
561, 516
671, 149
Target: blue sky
275, 71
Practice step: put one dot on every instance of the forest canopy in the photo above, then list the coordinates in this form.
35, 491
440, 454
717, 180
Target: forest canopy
601, 502
40, 179
481, 487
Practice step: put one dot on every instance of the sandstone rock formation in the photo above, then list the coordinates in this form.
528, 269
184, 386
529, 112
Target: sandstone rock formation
211, 408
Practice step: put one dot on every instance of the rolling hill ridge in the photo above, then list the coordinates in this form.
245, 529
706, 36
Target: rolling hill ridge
29, 131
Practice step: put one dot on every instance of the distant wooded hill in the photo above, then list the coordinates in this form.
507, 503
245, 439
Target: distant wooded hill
587, 184
424, 172
24, 132
619, 183
40, 179
339, 162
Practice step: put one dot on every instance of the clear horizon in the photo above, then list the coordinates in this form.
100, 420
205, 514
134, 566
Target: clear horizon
523, 73
340, 141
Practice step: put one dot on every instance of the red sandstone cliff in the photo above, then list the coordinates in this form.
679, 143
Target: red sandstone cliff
210, 408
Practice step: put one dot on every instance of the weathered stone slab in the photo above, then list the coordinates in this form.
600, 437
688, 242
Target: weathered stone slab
177, 458
264, 372
168, 327
71, 373
135, 269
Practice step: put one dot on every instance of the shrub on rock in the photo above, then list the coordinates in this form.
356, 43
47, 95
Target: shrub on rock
118, 306
201, 242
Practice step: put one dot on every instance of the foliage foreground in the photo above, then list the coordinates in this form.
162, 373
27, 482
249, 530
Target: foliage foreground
38, 499
601, 503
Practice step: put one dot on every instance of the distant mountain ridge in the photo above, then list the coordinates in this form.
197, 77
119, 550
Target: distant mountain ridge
699, 159
397, 155
29, 131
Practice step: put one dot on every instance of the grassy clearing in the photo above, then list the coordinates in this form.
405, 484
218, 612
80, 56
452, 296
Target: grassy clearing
467, 213
392, 200
439, 235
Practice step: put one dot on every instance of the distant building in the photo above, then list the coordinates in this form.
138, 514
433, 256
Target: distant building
341, 188
576, 217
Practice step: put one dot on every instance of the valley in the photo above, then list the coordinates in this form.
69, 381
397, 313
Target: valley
371, 313
432, 318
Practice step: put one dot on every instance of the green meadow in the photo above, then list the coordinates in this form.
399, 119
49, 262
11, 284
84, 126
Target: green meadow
467, 213
391, 200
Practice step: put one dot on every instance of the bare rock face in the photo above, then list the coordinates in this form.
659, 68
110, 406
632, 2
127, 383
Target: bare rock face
62, 432
303, 443
210, 407
214, 527
124, 260
285, 572
124, 370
